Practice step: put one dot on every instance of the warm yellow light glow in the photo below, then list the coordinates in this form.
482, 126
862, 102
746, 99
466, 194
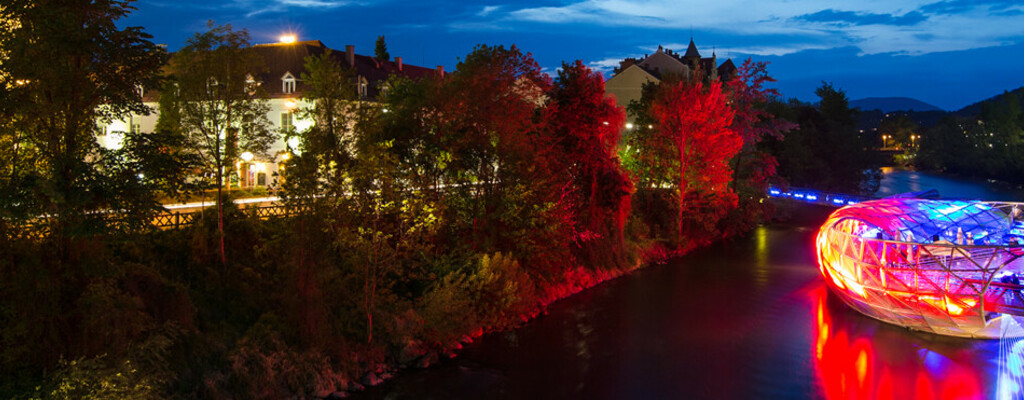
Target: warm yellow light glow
246, 156
629, 125
288, 38
261, 167
286, 156
290, 104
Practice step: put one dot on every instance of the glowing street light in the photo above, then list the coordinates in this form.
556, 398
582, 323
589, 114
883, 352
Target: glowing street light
287, 39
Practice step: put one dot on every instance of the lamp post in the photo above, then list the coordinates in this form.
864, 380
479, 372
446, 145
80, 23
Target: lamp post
885, 141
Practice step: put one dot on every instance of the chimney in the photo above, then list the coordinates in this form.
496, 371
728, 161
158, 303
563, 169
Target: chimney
440, 71
350, 55
398, 60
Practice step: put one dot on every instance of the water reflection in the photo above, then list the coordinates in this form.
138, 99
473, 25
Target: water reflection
859, 358
746, 319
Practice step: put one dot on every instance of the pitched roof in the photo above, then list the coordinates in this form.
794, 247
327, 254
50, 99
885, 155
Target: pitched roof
691, 51
727, 70
282, 58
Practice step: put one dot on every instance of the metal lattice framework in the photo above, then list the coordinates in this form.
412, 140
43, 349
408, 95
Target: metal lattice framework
945, 266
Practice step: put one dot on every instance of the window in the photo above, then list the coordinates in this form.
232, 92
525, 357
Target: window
362, 88
288, 83
136, 128
286, 121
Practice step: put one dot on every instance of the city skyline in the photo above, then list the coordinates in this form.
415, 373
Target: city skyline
947, 53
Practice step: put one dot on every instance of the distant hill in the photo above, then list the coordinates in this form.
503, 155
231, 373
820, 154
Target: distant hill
975, 109
890, 104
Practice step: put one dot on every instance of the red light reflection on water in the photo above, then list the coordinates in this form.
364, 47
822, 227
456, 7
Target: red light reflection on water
850, 365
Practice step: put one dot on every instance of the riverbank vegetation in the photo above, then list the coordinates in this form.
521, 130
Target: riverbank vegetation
449, 208
986, 143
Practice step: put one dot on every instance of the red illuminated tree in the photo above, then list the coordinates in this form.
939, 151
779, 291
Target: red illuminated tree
696, 118
585, 125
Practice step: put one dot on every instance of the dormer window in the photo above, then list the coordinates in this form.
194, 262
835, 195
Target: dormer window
288, 83
140, 90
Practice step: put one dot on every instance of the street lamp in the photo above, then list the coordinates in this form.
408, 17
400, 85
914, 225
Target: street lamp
885, 140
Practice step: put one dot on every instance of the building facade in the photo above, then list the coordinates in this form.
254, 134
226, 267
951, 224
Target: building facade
626, 83
281, 80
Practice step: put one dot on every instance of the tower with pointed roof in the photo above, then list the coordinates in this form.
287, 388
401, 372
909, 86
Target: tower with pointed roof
626, 84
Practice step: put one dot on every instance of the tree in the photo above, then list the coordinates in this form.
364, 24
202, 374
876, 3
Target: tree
381, 50
223, 110
64, 67
696, 120
900, 131
325, 148
485, 119
585, 125
753, 166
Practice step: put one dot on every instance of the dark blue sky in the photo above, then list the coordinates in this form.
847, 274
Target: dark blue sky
947, 53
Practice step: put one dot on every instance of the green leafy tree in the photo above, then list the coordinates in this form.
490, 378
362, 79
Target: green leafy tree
222, 110
66, 67
381, 50
325, 148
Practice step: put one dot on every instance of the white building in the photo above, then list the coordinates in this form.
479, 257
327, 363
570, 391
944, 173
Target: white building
284, 66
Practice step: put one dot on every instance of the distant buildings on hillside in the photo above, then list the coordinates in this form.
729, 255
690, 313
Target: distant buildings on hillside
627, 82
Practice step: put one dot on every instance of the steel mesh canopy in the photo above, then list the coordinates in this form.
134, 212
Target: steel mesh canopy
945, 266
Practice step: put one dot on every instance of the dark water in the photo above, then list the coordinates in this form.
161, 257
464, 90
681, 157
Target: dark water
748, 319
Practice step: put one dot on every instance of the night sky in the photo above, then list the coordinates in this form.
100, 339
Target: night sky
947, 53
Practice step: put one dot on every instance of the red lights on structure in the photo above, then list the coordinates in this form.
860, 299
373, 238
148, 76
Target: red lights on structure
947, 267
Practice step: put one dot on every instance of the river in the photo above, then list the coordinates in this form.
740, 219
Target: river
746, 319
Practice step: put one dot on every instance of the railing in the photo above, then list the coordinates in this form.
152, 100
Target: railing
816, 196
40, 228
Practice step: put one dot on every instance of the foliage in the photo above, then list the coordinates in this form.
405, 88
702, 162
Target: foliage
988, 145
380, 50
221, 109
825, 151
67, 67
753, 167
696, 121
93, 379
585, 126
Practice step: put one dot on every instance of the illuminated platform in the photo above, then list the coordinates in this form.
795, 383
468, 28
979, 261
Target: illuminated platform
944, 266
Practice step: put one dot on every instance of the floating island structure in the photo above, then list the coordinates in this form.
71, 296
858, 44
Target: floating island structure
950, 267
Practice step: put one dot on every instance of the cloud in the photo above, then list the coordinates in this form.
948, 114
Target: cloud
830, 16
258, 7
787, 26
950, 7
606, 65
487, 10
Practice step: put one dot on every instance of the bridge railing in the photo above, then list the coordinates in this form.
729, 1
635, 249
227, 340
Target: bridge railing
40, 228
815, 196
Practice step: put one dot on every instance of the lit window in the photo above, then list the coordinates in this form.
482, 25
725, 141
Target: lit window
362, 88
288, 83
286, 121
